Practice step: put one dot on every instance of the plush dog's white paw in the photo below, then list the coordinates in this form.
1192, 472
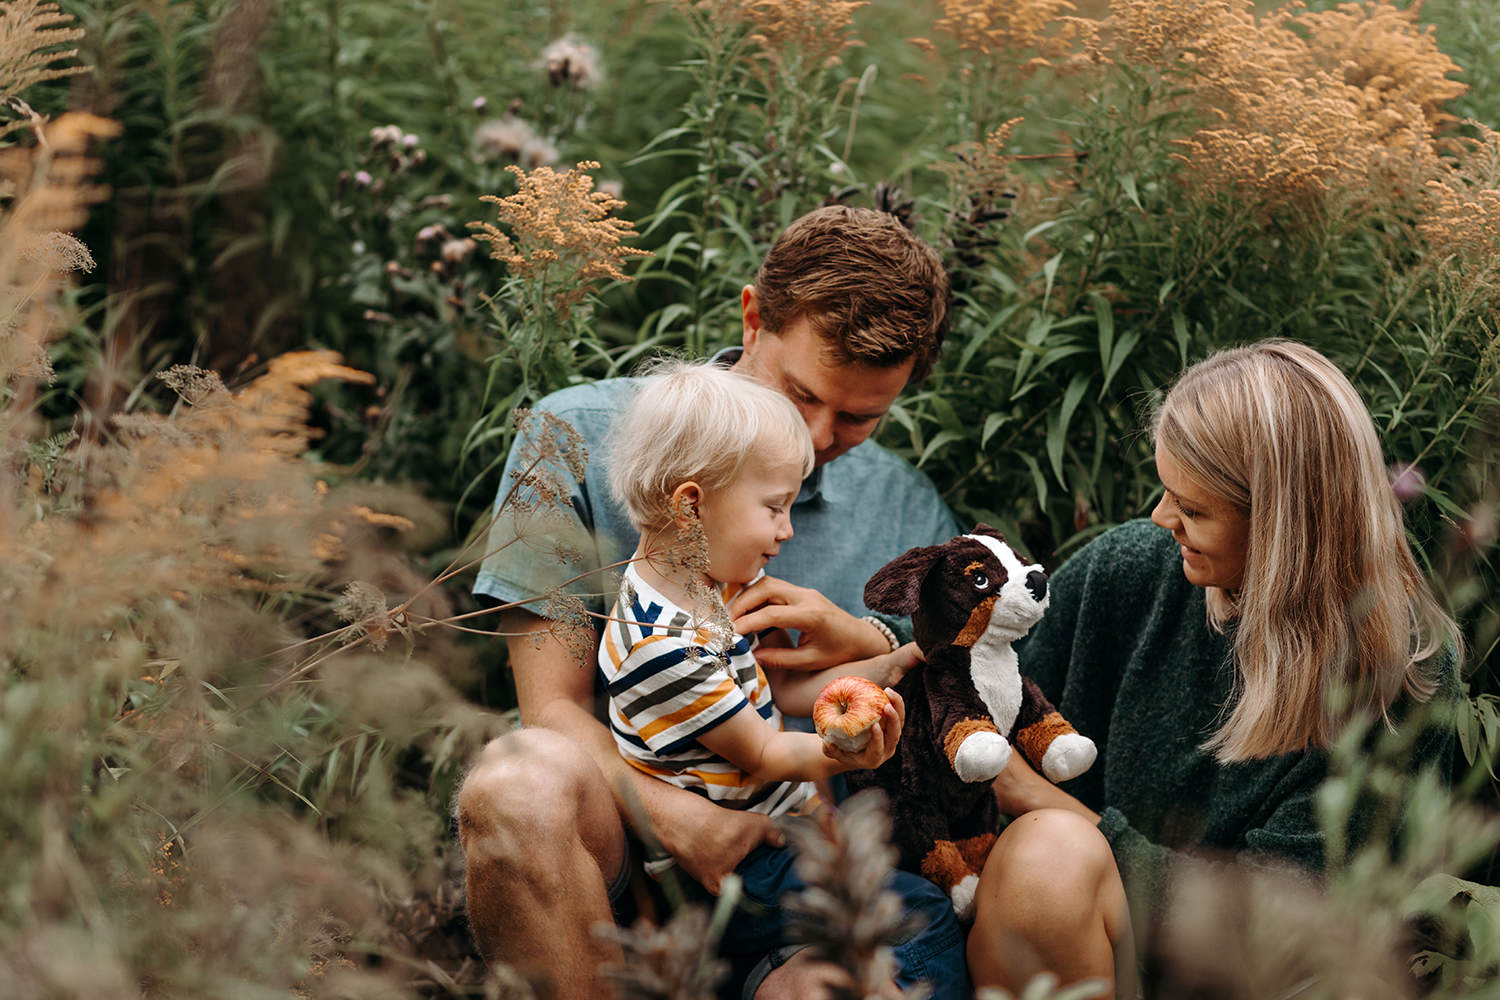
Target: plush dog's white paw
981, 757
1069, 756
962, 895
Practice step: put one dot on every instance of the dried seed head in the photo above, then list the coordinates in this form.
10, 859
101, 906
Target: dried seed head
571, 62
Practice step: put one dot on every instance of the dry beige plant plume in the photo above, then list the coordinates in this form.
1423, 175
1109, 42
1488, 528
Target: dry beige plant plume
1012, 29
30, 33
847, 914
673, 962
1306, 102
1462, 222
562, 234
1243, 933
50, 186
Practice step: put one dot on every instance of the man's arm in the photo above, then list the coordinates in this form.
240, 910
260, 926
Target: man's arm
796, 690
828, 635
555, 690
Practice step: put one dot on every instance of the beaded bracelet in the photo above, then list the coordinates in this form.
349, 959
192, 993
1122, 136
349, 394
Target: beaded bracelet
885, 630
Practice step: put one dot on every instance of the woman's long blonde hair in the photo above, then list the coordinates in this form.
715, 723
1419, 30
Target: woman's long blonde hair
1333, 618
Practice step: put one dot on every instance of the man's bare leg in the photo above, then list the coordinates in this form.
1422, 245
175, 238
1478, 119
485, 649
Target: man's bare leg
542, 841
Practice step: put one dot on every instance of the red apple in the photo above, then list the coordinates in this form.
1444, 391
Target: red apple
846, 711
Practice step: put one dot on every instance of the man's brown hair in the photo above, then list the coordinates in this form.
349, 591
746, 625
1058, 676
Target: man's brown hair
870, 287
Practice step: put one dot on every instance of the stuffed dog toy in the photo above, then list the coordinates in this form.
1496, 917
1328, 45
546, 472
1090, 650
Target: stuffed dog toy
969, 599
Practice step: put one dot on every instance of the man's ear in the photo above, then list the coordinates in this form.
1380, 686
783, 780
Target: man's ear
749, 316
685, 500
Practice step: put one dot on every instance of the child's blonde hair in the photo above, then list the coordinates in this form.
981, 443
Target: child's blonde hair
698, 421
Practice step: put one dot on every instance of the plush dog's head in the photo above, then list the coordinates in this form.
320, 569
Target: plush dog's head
957, 591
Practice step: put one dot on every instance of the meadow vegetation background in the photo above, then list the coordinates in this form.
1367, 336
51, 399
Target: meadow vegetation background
277, 272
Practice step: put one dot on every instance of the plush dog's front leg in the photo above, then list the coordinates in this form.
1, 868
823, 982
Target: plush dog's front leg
976, 749
1048, 740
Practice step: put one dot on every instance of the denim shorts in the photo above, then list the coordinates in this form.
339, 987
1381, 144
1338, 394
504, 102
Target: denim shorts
757, 939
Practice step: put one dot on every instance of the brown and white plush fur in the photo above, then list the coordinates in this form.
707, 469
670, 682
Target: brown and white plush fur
969, 599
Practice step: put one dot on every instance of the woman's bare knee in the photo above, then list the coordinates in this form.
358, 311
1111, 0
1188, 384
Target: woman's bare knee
1047, 901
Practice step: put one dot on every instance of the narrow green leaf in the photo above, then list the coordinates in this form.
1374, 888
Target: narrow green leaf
1104, 316
1057, 424
992, 423
939, 439
1038, 481
1180, 331
1122, 351
1050, 270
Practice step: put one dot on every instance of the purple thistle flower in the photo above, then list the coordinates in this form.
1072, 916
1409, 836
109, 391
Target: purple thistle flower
1407, 481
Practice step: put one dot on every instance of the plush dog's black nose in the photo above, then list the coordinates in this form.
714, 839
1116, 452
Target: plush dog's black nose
1036, 582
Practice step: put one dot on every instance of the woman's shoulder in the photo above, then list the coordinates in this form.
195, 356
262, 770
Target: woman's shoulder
1131, 549
1124, 571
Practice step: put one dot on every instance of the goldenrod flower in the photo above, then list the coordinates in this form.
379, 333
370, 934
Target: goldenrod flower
564, 236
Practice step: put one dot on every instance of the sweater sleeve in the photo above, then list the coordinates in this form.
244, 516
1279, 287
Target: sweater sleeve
1289, 833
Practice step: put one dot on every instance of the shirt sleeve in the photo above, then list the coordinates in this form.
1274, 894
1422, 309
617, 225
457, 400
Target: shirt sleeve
669, 692
1289, 834
545, 542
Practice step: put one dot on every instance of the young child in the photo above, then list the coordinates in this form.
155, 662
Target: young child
708, 462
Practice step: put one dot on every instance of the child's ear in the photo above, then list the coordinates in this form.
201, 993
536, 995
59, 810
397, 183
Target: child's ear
685, 500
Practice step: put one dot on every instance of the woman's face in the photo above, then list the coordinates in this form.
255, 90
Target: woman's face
1214, 534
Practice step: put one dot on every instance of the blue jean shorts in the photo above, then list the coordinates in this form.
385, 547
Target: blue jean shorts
757, 939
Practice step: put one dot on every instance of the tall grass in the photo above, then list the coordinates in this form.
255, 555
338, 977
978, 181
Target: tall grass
218, 784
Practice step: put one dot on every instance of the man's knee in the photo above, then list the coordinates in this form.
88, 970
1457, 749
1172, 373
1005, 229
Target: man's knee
531, 786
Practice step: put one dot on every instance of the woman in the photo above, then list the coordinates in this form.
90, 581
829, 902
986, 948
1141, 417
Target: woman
1205, 653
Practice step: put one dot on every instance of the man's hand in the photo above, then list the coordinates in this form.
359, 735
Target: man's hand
709, 841
829, 634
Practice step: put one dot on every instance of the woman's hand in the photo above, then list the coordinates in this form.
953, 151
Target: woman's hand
1019, 789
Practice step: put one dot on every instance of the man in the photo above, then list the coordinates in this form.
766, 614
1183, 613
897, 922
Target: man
847, 308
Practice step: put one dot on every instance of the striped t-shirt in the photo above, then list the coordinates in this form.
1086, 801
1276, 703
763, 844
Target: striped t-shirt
669, 682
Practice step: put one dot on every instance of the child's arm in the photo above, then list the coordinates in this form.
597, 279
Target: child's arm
794, 691
764, 753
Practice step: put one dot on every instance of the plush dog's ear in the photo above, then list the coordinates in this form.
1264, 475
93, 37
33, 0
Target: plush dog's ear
896, 587
984, 529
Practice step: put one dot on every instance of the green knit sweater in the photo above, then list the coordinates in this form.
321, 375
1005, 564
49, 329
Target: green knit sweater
1126, 654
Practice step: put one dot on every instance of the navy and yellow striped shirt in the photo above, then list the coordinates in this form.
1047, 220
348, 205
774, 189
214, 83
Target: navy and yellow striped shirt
669, 681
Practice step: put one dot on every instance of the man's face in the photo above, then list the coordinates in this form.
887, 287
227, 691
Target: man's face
841, 401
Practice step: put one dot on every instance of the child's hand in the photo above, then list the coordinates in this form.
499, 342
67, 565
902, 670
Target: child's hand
883, 739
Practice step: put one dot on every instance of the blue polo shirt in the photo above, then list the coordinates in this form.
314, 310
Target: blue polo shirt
852, 516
